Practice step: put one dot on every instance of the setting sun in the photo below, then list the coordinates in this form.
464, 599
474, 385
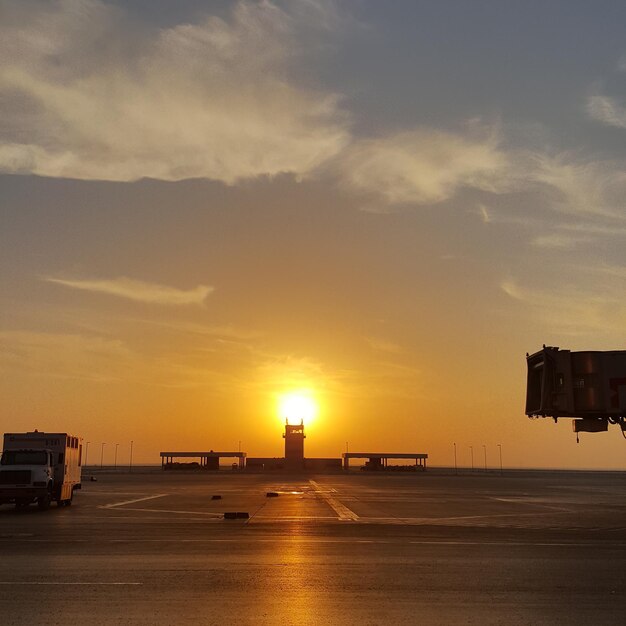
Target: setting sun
296, 406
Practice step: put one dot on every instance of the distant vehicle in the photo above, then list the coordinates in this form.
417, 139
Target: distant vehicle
590, 386
40, 467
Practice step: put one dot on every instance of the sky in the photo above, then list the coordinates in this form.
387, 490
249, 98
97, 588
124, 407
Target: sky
207, 205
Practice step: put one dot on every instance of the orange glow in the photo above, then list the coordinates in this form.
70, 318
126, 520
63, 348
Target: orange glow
297, 405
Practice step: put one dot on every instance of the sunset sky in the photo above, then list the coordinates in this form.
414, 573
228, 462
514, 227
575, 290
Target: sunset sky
205, 205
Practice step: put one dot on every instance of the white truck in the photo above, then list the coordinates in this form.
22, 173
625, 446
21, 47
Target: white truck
40, 467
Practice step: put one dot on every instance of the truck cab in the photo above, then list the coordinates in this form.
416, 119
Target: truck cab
27, 475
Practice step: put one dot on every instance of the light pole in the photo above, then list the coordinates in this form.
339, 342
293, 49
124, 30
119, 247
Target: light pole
130, 464
500, 449
455, 468
115, 462
102, 454
485, 451
86, 451
472, 453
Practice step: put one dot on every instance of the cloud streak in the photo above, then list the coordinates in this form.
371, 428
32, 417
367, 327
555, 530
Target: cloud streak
423, 166
607, 110
583, 187
139, 291
73, 356
595, 309
85, 96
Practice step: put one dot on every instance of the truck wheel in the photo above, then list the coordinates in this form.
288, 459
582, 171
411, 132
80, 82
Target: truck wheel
43, 502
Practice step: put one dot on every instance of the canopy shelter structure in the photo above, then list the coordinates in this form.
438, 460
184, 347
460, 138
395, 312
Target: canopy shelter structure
380, 460
207, 460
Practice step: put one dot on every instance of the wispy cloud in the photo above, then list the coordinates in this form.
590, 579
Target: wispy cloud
607, 110
596, 309
69, 355
284, 371
562, 240
484, 214
585, 187
382, 345
100, 360
138, 291
86, 95
227, 333
423, 166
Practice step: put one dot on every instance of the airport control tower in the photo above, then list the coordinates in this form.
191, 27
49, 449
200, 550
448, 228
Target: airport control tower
294, 445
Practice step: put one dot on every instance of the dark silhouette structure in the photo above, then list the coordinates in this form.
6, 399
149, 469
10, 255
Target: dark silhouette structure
379, 461
589, 386
206, 460
294, 445
294, 459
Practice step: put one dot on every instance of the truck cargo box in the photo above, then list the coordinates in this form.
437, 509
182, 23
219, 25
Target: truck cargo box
588, 384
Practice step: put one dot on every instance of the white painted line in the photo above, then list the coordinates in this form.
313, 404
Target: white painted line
34, 582
112, 506
261, 519
572, 544
207, 513
530, 502
343, 512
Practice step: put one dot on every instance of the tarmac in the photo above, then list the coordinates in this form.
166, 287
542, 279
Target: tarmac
357, 548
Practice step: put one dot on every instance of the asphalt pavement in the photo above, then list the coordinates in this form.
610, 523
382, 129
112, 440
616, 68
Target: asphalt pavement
431, 548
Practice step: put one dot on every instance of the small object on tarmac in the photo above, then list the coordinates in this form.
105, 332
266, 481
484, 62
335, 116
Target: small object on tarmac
216, 497
236, 515
93, 479
271, 494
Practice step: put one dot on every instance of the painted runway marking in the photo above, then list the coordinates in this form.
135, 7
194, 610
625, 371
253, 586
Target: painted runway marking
207, 513
321, 540
343, 512
82, 583
262, 519
534, 502
112, 506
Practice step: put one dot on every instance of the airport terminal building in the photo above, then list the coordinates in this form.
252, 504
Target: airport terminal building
294, 459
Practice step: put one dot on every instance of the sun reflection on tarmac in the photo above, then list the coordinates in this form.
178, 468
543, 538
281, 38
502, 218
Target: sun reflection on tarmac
295, 597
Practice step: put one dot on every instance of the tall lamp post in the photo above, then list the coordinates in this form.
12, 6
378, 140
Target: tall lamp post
455, 467
472, 454
500, 449
86, 451
485, 450
130, 465
102, 454
115, 462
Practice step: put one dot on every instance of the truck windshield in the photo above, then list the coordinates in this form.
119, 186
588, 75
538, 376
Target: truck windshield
24, 457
